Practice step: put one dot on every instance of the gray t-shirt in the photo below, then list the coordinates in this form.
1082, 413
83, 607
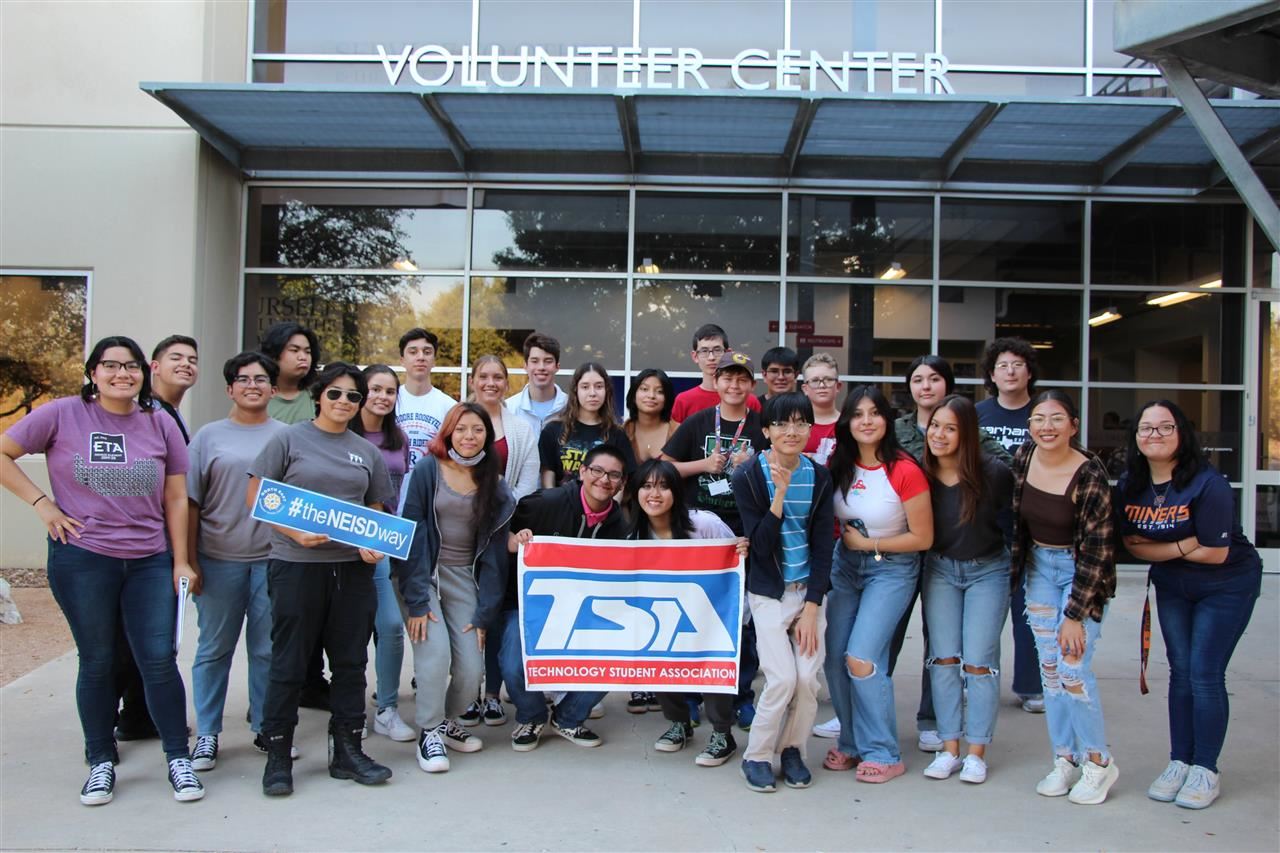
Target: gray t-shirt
341, 465
221, 454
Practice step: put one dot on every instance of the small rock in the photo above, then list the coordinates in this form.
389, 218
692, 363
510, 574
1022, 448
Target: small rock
9, 614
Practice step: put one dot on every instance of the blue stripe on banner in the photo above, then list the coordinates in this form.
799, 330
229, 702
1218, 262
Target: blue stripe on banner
349, 523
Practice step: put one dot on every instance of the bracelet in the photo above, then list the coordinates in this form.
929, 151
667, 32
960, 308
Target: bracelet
37, 500
876, 545
1177, 543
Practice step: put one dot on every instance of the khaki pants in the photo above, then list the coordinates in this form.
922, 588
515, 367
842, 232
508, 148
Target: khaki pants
789, 702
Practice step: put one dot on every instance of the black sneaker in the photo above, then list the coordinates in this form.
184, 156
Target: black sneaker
674, 738
493, 713
578, 735
719, 749
100, 787
472, 715
759, 776
652, 702
186, 787
459, 739
260, 744
526, 736
205, 755
638, 703
794, 773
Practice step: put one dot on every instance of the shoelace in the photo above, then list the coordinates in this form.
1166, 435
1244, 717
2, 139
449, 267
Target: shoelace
432, 745
675, 731
492, 705
455, 731
100, 776
182, 774
1197, 780
205, 745
1171, 773
718, 741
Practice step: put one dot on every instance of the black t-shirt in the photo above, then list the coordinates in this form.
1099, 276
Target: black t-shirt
982, 535
564, 459
696, 439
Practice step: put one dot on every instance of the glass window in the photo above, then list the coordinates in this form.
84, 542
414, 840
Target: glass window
1036, 85
994, 240
1141, 85
871, 330
1267, 516
1104, 52
1173, 245
970, 317
1170, 336
1269, 386
42, 346
708, 233
553, 24
889, 25
521, 230
358, 318
587, 316
718, 28
861, 236
1264, 260
996, 32
1214, 414
336, 27
405, 230
666, 313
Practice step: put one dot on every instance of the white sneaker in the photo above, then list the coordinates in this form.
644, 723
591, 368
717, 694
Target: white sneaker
974, 770
597, 711
432, 756
1033, 704
831, 728
943, 765
1094, 783
929, 741
388, 722
1169, 783
1200, 790
1060, 779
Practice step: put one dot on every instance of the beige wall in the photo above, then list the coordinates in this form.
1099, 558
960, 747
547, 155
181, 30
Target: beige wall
99, 176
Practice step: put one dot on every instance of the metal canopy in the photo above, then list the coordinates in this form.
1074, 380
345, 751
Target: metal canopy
1077, 144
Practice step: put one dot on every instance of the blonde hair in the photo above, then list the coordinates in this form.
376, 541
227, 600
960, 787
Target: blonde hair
820, 358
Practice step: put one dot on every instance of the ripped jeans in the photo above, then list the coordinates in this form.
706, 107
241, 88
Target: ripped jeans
1072, 707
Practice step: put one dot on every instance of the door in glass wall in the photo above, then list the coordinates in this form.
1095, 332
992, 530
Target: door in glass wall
1267, 476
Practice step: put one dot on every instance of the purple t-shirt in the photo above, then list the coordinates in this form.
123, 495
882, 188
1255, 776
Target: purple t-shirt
107, 471
397, 462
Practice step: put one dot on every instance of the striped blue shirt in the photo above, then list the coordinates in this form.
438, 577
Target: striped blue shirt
796, 507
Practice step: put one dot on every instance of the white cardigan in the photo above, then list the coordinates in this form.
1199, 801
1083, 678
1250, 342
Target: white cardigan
522, 455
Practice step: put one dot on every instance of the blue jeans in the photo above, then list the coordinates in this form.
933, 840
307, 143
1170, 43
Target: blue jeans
531, 707
230, 593
94, 592
1072, 707
388, 636
866, 600
1202, 616
965, 602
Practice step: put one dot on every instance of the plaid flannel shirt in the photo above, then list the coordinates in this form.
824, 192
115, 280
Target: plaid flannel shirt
1092, 537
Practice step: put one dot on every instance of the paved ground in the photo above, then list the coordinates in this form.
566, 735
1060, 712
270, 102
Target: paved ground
624, 796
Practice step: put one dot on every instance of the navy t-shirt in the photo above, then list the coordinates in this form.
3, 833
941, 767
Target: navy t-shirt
1204, 509
1007, 426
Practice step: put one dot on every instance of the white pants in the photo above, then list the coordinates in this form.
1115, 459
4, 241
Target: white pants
786, 708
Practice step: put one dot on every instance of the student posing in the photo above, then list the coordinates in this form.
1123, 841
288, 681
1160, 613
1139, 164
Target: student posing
588, 420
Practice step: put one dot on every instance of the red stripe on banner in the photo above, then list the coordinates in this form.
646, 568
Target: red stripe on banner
623, 557
579, 673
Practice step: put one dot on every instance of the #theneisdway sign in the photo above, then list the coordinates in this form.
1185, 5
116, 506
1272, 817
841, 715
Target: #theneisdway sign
644, 616
666, 68
348, 523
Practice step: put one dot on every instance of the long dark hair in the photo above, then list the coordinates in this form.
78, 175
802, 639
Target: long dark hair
1187, 462
668, 394
608, 417
845, 456
393, 437
486, 473
968, 455
89, 390
664, 472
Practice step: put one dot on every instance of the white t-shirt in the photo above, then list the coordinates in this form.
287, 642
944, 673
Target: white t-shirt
420, 417
877, 497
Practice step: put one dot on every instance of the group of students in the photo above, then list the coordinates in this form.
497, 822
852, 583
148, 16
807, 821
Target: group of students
845, 513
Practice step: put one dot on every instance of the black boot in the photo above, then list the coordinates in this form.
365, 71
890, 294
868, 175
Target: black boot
347, 759
277, 778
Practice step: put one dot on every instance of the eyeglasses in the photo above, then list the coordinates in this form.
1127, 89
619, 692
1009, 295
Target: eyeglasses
1010, 366
263, 380
117, 366
1039, 421
598, 472
1146, 430
780, 371
710, 352
336, 394
821, 381
790, 426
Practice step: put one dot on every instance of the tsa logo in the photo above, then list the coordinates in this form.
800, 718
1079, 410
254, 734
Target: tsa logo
272, 500
644, 615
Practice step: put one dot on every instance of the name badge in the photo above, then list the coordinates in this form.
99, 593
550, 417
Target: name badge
719, 487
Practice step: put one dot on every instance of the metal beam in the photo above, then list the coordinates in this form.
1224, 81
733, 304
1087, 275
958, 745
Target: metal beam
629, 127
799, 132
457, 142
1233, 163
1124, 153
1256, 148
955, 154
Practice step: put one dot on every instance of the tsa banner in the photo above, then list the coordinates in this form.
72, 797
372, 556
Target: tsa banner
644, 616
348, 523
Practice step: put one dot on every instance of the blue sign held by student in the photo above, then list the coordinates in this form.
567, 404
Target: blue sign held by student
348, 523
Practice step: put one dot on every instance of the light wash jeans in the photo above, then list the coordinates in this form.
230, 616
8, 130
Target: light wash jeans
866, 600
232, 594
388, 631
1074, 716
965, 602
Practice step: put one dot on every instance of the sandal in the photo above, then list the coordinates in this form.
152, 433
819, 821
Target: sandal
875, 772
837, 760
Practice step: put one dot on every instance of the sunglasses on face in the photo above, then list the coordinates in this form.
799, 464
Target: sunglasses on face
336, 394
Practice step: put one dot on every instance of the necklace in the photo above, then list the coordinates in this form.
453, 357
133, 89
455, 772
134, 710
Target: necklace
1159, 496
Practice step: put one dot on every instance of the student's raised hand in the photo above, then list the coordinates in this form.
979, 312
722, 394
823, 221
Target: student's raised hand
781, 475
715, 463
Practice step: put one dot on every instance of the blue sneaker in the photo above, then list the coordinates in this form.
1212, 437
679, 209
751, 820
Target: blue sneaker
746, 716
695, 712
794, 773
759, 776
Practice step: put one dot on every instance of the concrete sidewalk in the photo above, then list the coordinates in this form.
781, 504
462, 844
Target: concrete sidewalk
625, 796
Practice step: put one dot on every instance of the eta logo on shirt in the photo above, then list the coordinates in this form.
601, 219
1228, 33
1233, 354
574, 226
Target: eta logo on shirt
107, 448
